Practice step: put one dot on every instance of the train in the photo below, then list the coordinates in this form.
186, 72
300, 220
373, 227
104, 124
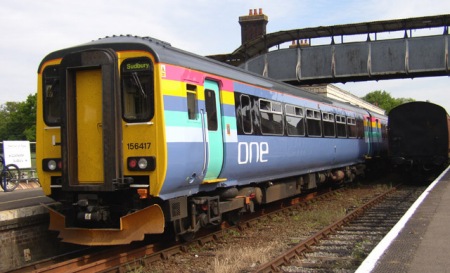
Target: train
137, 137
419, 138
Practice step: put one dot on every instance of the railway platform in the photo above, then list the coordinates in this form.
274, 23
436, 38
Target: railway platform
420, 241
24, 197
24, 234
21, 205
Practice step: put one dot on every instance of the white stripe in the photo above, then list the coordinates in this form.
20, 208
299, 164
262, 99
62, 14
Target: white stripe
190, 134
232, 137
183, 134
369, 263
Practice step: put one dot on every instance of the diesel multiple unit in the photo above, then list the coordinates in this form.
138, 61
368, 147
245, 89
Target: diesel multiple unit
137, 137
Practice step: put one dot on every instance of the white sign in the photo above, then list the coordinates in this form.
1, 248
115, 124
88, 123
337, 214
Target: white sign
17, 152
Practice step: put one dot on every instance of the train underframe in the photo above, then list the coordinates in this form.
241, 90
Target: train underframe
123, 216
187, 215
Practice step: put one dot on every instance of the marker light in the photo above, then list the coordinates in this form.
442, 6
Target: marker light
141, 163
132, 163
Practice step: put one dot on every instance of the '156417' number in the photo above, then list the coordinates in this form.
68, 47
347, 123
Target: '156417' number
138, 146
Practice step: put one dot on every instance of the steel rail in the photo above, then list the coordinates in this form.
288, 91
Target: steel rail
298, 250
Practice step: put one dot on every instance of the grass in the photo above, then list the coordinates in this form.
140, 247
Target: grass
233, 260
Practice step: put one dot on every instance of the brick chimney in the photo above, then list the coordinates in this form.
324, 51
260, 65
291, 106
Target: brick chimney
253, 25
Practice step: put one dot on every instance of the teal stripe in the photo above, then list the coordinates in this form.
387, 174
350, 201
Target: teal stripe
231, 121
179, 119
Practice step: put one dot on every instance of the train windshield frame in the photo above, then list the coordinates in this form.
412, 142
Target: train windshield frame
137, 87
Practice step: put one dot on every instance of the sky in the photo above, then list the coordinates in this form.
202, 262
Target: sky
30, 29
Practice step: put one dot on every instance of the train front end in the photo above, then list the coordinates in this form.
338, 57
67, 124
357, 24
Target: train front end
99, 153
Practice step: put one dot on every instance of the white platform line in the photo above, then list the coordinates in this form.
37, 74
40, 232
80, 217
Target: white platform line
371, 260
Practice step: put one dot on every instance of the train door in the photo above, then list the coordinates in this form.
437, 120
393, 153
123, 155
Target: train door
90, 126
373, 135
214, 160
376, 127
89, 130
368, 134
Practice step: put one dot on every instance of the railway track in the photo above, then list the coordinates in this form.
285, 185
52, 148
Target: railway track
127, 258
134, 258
342, 246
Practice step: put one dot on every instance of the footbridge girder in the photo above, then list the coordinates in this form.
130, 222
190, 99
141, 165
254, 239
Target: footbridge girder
357, 61
373, 59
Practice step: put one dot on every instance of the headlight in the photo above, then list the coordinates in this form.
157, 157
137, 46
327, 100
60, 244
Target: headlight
142, 163
52, 164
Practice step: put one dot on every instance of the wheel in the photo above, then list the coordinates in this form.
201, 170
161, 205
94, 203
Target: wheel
10, 177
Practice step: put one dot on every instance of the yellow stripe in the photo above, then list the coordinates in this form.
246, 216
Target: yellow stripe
173, 88
214, 180
227, 98
178, 89
51, 62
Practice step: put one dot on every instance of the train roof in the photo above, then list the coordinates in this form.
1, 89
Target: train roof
417, 109
164, 52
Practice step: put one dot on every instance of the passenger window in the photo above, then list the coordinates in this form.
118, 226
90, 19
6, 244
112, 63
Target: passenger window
137, 89
328, 125
271, 117
211, 112
246, 118
313, 123
51, 95
191, 96
352, 129
341, 126
295, 121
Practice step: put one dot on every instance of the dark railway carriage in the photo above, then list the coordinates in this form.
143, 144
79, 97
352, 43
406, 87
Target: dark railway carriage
419, 137
135, 137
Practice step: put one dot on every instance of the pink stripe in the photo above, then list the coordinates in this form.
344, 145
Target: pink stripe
187, 75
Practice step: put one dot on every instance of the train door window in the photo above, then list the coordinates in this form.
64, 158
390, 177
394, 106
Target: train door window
313, 125
51, 95
210, 101
377, 130
360, 127
384, 134
191, 96
328, 125
295, 121
351, 127
137, 89
246, 117
271, 117
341, 126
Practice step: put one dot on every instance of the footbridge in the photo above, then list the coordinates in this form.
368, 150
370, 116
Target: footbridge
370, 59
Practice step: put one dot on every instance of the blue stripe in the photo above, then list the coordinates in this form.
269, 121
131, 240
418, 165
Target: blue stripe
179, 104
260, 158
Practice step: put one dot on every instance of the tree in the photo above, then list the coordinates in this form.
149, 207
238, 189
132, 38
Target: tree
384, 100
18, 120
